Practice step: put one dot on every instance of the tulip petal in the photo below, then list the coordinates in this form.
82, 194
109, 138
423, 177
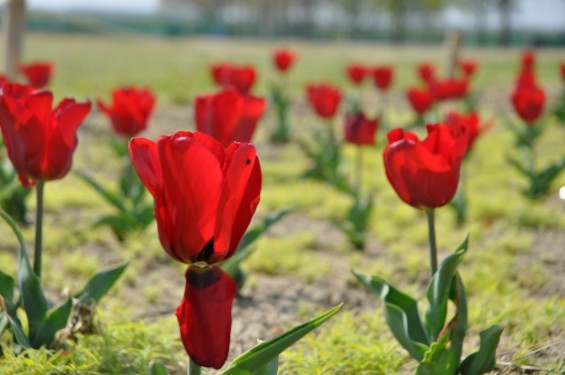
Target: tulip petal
240, 196
193, 177
143, 154
204, 315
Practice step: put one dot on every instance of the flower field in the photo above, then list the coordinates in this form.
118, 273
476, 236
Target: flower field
514, 266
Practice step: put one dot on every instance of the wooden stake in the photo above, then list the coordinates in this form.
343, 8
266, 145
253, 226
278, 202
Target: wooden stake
453, 46
14, 24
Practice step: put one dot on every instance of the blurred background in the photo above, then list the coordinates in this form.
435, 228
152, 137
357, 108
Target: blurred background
482, 22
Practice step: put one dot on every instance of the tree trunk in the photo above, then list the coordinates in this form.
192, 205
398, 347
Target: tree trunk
504, 7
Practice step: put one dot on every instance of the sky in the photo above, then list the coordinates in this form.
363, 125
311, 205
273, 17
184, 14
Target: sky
129, 6
531, 14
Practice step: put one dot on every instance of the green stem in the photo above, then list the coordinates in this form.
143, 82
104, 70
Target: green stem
432, 239
359, 170
194, 368
38, 229
531, 154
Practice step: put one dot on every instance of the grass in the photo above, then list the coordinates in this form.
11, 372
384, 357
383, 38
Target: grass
506, 272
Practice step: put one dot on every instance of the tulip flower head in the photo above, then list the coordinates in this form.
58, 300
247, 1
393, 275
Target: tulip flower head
450, 88
421, 100
40, 141
528, 59
357, 73
425, 174
205, 197
324, 99
426, 72
468, 67
360, 130
562, 69
382, 76
283, 59
471, 122
38, 73
528, 102
130, 110
228, 116
240, 77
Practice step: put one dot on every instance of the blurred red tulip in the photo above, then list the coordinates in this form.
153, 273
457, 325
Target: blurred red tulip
421, 100
450, 88
468, 67
357, 73
471, 122
130, 110
324, 99
528, 103
382, 75
562, 68
40, 141
240, 77
228, 116
426, 72
528, 59
37, 73
360, 130
3, 79
283, 59
425, 173
205, 197
526, 78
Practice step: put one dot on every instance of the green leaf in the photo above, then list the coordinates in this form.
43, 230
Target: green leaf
483, 360
57, 318
7, 289
272, 368
17, 331
439, 291
32, 297
105, 193
439, 359
101, 283
257, 358
401, 313
231, 266
458, 325
157, 368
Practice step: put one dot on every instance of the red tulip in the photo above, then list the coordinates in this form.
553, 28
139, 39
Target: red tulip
228, 116
562, 68
205, 197
283, 59
3, 79
356, 73
40, 141
470, 122
240, 77
130, 110
37, 73
426, 72
425, 173
324, 99
450, 88
526, 79
421, 100
528, 103
360, 130
382, 76
528, 59
468, 67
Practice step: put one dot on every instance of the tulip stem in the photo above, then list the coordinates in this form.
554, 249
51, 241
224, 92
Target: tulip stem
38, 229
432, 238
359, 170
194, 368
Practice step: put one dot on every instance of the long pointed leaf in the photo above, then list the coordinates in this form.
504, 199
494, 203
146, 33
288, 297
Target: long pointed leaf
17, 331
32, 297
402, 314
231, 266
105, 193
101, 283
260, 356
439, 290
483, 360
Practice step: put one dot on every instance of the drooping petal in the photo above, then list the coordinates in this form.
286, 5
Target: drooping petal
204, 315
145, 160
240, 196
